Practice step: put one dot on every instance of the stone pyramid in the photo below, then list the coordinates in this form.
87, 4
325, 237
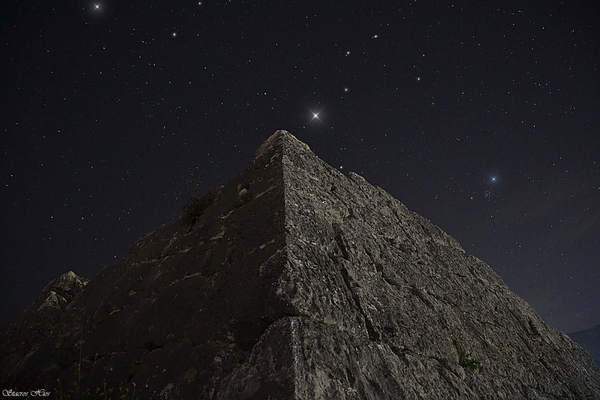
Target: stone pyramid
293, 281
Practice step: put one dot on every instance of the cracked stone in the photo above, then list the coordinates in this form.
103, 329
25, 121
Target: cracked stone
295, 282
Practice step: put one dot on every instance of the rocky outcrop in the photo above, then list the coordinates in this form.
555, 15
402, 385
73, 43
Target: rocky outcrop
20, 339
589, 339
297, 282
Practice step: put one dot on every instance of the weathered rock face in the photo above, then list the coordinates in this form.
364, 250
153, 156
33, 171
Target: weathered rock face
20, 339
298, 282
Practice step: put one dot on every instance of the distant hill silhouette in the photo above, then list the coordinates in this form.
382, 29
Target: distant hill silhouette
589, 339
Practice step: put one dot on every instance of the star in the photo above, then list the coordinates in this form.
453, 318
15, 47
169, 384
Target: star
174, 34
315, 115
346, 89
96, 6
493, 179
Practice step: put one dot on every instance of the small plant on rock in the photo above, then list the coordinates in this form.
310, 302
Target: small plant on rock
195, 206
344, 214
465, 360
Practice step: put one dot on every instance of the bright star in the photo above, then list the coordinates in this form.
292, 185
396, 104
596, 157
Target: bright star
316, 115
174, 34
96, 6
493, 179
346, 89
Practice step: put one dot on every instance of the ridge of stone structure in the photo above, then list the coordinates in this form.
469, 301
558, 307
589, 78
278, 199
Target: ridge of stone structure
294, 282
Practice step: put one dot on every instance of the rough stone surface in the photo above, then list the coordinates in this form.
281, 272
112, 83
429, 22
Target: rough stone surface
298, 282
21, 339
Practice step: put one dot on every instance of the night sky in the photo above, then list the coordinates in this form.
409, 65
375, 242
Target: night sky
481, 116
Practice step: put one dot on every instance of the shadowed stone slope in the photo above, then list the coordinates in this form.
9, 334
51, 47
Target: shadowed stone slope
298, 282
